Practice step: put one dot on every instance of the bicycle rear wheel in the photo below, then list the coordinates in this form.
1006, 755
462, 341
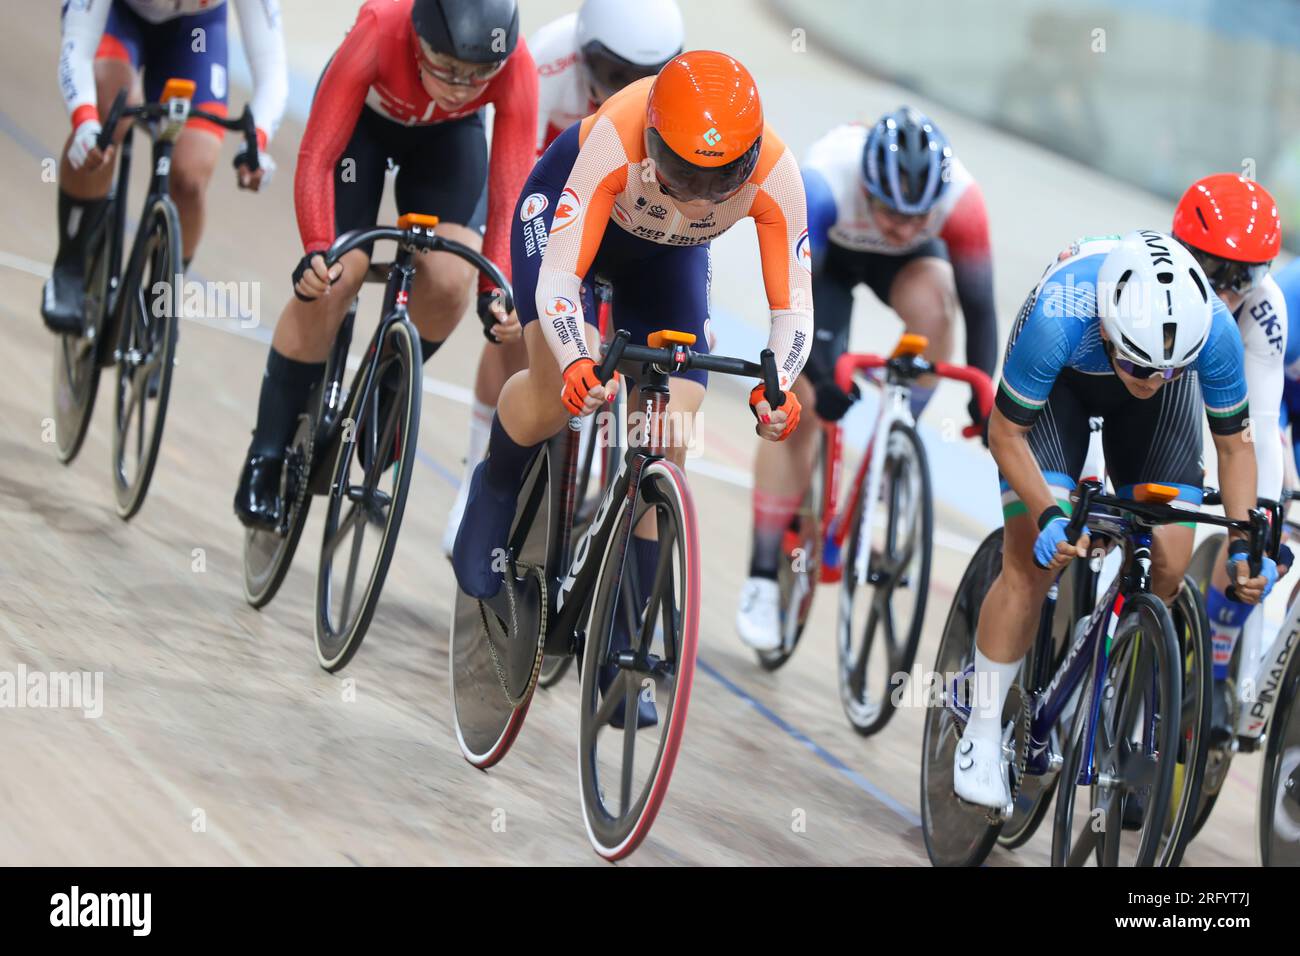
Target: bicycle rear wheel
489, 658
370, 479
269, 554
1279, 787
77, 358
1034, 795
887, 609
146, 356
624, 773
956, 834
1135, 748
800, 568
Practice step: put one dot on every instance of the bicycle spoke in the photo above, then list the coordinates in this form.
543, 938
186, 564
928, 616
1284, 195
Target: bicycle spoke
609, 700
631, 704
348, 521
350, 583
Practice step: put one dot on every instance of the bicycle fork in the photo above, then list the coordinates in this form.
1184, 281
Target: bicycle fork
894, 407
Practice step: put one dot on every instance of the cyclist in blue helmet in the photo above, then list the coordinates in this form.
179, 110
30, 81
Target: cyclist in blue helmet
889, 206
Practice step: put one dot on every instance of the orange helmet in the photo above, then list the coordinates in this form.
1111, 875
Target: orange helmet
1231, 225
704, 126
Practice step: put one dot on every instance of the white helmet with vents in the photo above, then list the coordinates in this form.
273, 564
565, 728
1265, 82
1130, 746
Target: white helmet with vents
1154, 300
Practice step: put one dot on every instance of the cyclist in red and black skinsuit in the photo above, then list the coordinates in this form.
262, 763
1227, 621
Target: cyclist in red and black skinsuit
407, 86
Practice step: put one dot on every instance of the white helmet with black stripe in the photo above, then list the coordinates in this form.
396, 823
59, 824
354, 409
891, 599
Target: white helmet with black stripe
1154, 300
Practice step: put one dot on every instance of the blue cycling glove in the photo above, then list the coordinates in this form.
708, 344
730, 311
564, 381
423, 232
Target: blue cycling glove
1267, 567
1052, 524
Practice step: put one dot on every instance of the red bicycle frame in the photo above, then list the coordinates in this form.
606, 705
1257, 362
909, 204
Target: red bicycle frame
833, 530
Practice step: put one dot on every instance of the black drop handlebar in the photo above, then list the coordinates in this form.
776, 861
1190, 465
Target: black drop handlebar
1262, 528
680, 357
423, 239
153, 111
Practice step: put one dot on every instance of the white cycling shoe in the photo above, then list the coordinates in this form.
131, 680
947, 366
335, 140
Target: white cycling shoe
454, 516
758, 620
979, 774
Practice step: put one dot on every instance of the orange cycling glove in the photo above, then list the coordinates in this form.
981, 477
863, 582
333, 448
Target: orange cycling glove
579, 379
791, 408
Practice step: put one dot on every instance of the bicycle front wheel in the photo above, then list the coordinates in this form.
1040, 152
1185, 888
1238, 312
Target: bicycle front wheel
624, 772
882, 611
1196, 653
146, 355
371, 476
1130, 778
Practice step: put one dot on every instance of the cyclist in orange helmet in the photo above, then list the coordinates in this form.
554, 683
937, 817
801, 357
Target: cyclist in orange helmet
635, 192
1230, 225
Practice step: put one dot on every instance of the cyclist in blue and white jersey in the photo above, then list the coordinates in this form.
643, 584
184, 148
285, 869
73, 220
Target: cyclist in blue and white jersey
1126, 329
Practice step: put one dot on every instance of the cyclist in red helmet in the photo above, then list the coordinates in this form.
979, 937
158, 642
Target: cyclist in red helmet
1230, 224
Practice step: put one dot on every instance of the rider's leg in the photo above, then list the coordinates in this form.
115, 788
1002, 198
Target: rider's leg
530, 412
193, 161
1010, 611
782, 470
924, 294
82, 202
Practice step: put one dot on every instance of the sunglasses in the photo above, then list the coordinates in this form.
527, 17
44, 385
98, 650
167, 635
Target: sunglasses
1143, 371
886, 211
1229, 275
455, 72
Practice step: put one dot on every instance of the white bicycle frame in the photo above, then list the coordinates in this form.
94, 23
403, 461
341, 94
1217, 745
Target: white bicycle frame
1261, 677
895, 406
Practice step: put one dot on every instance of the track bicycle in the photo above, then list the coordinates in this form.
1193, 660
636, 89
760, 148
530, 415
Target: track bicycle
563, 590
131, 313
356, 447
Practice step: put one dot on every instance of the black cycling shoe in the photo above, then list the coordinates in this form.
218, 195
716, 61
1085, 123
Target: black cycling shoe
1221, 717
63, 303
257, 499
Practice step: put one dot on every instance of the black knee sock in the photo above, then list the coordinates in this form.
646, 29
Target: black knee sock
506, 460
78, 219
286, 386
427, 348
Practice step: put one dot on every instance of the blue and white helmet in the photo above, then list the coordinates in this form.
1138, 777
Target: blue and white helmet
906, 162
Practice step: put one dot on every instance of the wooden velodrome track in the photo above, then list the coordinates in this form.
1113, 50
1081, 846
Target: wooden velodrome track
222, 742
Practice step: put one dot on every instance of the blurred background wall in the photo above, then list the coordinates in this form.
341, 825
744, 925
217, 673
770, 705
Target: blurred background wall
1156, 92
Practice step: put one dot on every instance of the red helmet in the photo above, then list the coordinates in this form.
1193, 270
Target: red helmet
1231, 217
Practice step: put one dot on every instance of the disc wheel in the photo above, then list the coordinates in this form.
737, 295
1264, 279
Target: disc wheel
956, 833
490, 700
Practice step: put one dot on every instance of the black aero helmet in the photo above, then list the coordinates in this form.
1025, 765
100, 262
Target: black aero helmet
906, 162
474, 31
